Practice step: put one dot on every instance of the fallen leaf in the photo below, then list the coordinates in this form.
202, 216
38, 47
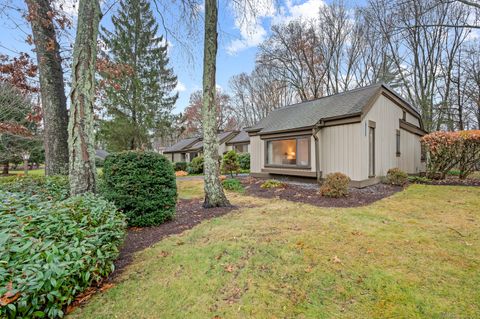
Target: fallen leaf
337, 260
164, 253
229, 268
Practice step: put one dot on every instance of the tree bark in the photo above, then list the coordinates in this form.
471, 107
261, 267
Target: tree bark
80, 128
52, 87
214, 194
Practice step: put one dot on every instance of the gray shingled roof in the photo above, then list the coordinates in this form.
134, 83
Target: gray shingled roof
307, 114
181, 145
221, 136
241, 137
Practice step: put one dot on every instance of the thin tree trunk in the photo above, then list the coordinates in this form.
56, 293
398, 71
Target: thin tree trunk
80, 128
214, 194
52, 87
6, 168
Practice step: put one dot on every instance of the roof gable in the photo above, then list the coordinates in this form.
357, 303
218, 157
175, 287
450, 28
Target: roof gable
181, 145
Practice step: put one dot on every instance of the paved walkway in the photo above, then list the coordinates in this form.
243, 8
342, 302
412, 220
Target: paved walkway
200, 177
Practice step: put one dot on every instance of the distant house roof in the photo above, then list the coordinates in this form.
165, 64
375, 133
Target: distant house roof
101, 154
241, 137
181, 145
307, 114
222, 137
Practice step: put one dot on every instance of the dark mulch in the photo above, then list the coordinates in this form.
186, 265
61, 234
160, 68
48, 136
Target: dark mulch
453, 181
189, 213
309, 193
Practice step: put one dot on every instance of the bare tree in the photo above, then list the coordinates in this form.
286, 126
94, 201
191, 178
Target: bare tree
52, 89
81, 125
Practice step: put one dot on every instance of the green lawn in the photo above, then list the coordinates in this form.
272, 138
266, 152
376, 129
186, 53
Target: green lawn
414, 255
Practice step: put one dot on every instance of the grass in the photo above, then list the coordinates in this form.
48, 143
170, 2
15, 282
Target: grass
414, 255
33, 172
188, 189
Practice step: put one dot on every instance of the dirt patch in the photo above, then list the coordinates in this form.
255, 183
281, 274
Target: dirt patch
309, 193
189, 213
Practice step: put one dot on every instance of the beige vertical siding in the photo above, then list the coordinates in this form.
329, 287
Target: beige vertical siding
343, 149
256, 154
410, 157
177, 157
413, 120
386, 115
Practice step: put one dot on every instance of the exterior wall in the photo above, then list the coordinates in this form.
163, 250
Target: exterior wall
344, 149
177, 157
410, 159
413, 120
386, 115
257, 154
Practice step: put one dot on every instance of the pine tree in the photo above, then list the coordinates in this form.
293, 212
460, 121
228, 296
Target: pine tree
137, 84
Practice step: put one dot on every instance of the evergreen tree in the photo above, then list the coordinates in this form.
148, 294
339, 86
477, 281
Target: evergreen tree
138, 86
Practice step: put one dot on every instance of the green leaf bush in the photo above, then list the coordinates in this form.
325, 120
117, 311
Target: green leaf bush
180, 166
335, 185
272, 183
233, 185
244, 161
396, 176
47, 188
230, 163
196, 165
142, 185
52, 250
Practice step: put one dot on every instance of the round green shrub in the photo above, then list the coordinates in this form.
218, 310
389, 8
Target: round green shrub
142, 185
196, 165
396, 176
52, 250
244, 160
335, 185
180, 166
233, 185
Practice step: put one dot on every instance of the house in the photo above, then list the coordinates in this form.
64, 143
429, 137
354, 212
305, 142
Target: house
178, 151
361, 133
240, 143
187, 149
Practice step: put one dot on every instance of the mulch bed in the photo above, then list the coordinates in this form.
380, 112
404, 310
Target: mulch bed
189, 213
309, 193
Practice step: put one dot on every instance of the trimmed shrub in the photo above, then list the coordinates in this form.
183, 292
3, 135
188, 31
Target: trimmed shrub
53, 250
142, 185
196, 165
230, 163
244, 161
45, 187
233, 185
335, 185
180, 166
396, 176
448, 150
271, 183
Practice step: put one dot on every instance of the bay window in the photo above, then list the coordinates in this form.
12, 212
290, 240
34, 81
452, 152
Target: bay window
288, 152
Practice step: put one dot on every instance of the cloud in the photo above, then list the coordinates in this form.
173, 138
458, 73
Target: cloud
180, 87
250, 20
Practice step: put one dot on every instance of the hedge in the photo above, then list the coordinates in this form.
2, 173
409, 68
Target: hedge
449, 150
335, 185
244, 160
180, 166
196, 165
142, 185
230, 163
53, 250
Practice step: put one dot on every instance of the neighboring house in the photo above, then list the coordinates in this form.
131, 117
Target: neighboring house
240, 143
178, 151
361, 133
187, 149
102, 154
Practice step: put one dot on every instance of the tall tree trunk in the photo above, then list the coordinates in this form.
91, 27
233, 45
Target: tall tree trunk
52, 87
214, 194
80, 128
6, 168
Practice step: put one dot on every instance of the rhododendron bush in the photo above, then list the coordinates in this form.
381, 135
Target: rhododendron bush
449, 150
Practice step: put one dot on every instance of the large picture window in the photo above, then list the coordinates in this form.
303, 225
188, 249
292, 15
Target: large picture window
289, 152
